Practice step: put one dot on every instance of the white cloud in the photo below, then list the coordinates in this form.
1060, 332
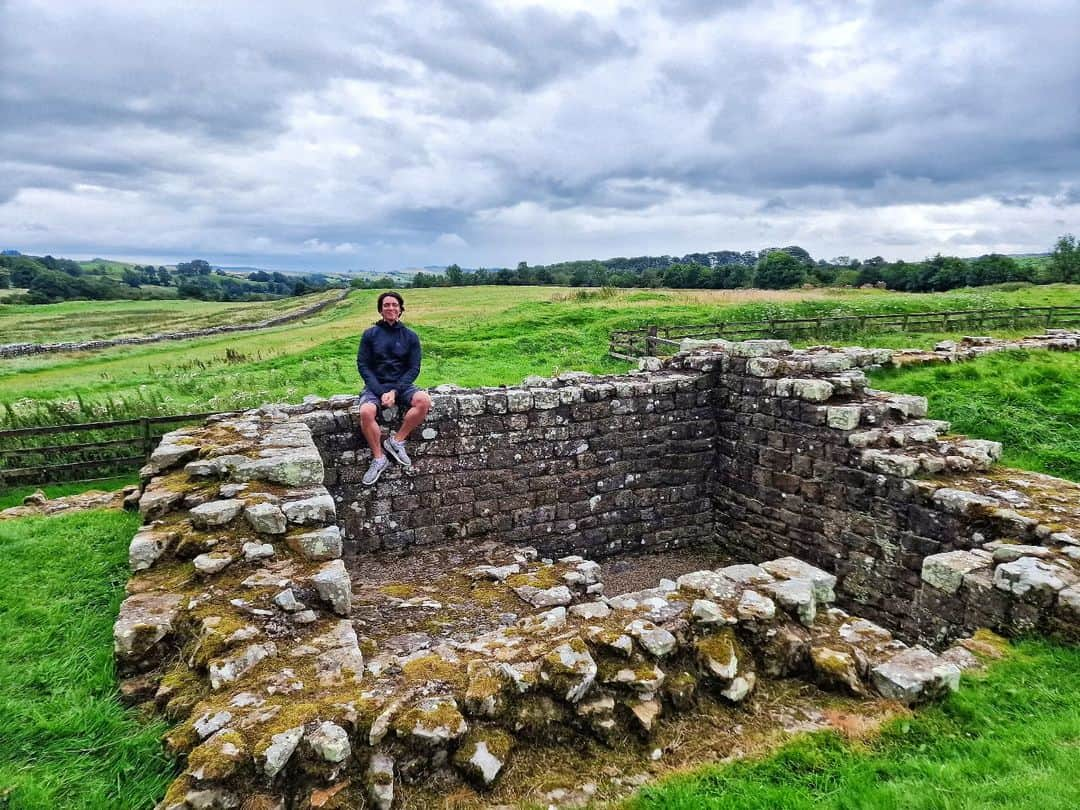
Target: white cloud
491, 133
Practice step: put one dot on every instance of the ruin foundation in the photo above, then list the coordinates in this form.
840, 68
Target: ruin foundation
867, 537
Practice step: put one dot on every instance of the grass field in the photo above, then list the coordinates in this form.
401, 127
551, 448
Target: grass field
1029, 401
99, 320
67, 740
472, 336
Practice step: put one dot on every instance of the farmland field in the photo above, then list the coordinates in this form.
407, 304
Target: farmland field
97, 320
471, 335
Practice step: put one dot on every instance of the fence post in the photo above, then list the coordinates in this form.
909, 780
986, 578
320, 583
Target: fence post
146, 441
650, 342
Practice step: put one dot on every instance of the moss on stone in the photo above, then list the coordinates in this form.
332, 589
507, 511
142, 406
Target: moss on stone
486, 595
369, 647
181, 689
498, 743
543, 577
211, 762
719, 648
212, 640
399, 590
181, 738
442, 715
432, 668
290, 715
177, 790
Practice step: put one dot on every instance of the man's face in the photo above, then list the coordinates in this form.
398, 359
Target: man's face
390, 310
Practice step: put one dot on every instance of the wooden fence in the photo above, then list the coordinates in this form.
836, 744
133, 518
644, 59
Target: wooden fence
647, 341
24, 460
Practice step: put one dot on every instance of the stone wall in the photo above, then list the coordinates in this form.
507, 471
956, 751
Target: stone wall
576, 464
812, 463
753, 446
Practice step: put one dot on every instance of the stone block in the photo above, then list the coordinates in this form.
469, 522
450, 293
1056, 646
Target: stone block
915, 676
843, 417
946, 571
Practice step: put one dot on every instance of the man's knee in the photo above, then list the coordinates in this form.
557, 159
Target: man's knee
367, 413
421, 400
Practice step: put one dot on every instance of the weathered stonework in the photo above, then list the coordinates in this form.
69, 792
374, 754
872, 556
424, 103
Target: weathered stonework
875, 495
290, 675
577, 464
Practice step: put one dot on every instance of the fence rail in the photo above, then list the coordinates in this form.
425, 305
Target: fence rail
629, 344
94, 453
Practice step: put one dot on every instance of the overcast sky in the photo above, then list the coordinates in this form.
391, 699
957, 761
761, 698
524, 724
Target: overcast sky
344, 135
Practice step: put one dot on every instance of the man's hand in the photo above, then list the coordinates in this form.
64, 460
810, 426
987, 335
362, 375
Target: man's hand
389, 398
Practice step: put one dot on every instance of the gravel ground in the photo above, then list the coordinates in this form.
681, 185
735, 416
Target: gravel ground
634, 572
620, 573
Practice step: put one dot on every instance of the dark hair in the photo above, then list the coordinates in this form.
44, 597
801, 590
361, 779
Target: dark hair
391, 294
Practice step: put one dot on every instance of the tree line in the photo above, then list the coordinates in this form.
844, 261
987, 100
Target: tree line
776, 268
49, 280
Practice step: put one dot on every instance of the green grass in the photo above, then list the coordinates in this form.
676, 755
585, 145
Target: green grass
471, 336
67, 741
1008, 740
1028, 400
14, 496
98, 320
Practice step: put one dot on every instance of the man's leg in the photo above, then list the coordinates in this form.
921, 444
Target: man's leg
372, 434
417, 413
370, 428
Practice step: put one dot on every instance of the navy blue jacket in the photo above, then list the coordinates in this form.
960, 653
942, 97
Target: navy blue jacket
388, 358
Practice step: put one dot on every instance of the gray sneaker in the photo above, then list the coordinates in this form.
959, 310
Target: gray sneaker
397, 450
375, 470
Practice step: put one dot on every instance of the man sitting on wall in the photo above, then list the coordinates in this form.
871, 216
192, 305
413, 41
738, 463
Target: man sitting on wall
389, 363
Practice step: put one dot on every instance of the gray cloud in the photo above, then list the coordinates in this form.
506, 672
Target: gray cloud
485, 132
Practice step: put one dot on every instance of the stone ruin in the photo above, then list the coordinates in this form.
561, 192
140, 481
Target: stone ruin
316, 643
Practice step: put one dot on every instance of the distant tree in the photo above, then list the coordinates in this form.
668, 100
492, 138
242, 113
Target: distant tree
1064, 262
780, 270
164, 276
196, 267
993, 269
5, 280
941, 273
454, 275
23, 273
49, 286
131, 277
69, 267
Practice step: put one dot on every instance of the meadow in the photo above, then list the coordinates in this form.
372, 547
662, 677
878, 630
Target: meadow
100, 320
472, 336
